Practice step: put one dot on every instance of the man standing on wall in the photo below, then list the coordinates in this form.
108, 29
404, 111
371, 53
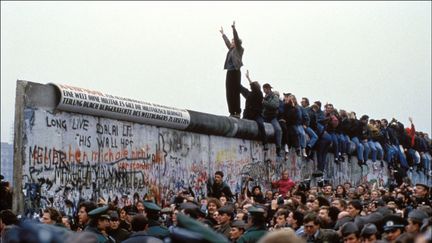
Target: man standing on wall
233, 63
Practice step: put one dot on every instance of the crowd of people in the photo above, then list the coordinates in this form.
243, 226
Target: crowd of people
289, 212
311, 129
292, 211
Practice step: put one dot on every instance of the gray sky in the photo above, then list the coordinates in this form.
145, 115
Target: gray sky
369, 57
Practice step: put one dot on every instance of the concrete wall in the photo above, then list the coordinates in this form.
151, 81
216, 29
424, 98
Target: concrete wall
66, 155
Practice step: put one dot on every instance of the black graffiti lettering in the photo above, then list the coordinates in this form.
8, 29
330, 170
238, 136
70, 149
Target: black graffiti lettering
106, 142
56, 122
83, 140
107, 129
80, 123
127, 131
126, 142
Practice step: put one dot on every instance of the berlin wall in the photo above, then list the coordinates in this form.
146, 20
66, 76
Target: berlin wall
75, 144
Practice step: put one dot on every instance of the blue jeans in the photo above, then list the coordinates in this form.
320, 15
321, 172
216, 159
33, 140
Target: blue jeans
301, 135
277, 131
373, 150
391, 151
359, 148
426, 161
261, 129
335, 144
344, 143
413, 155
402, 159
367, 150
313, 138
323, 145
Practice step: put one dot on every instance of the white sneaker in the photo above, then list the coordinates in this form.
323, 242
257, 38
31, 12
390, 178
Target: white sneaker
286, 148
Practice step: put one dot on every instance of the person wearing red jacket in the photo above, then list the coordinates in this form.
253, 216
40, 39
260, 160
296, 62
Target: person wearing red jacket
284, 184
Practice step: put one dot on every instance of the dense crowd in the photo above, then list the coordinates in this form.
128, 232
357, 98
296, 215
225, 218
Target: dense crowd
290, 212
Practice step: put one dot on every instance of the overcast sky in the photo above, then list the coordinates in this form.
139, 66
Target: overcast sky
369, 57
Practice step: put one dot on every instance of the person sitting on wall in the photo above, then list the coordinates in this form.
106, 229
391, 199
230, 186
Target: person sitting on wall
270, 114
254, 106
216, 187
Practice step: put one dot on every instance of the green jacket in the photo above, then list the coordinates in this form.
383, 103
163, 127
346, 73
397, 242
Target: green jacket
101, 238
270, 106
253, 234
156, 230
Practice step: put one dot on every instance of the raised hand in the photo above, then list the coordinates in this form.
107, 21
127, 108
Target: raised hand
221, 30
233, 25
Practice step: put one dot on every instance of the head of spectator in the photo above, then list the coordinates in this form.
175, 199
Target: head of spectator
318, 104
393, 227
7, 217
238, 228
343, 114
375, 195
139, 223
333, 213
51, 216
123, 214
140, 206
415, 221
352, 194
421, 190
281, 218
67, 221
350, 233
339, 203
83, 209
369, 233
329, 108
114, 220
269, 195
100, 218
295, 219
311, 224
354, 208
255, 86
256, 216
323, 215
285, 235
213, 204
340, 191
256, 190
364, 119
305, 102
226, 214
131, 211
218, 178
267, 88
152, 210
223, 199
328, 190
360, 190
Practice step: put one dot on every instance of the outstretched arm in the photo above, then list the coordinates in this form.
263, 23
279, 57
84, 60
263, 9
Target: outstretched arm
236, 37
247, 76
225, 38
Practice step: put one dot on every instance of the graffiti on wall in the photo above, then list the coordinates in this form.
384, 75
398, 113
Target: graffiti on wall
71, 157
